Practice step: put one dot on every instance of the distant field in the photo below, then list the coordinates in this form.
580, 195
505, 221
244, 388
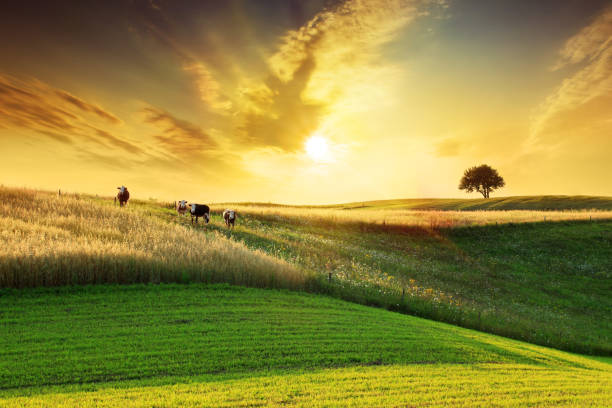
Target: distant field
198, 345
539, 203
397, 220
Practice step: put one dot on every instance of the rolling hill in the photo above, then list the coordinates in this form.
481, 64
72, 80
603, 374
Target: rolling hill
109, 306
203, 345
539, 203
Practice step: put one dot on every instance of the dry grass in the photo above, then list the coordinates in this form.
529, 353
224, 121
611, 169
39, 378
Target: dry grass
389, 218
46, 240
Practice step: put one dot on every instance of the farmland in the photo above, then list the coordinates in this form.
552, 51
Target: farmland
543, 282
202, 345
160, 324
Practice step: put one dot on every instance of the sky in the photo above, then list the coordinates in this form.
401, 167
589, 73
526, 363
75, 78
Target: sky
305, 102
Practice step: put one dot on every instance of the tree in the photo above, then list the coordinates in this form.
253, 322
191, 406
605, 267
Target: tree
483, 179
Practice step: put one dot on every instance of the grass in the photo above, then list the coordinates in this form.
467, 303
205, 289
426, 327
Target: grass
530, 203
547, 283
479, 385
200, 345
46, 240
400, 220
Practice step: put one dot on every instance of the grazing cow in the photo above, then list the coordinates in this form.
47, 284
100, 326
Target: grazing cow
181, 207
123, 196
199, 210
230, 218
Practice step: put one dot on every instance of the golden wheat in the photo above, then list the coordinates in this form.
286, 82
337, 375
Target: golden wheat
411, 218
49, 240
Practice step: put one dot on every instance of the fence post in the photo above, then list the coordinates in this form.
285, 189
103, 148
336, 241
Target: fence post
403, 293
329, 277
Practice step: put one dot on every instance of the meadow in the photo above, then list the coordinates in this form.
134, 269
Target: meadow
220, 345
109, 306
543, 282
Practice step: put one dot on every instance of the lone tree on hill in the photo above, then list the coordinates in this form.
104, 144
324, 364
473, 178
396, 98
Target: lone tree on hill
483, 179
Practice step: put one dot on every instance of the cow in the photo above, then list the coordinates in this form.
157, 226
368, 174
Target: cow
123, 196
181, 207
230, 218
199, 210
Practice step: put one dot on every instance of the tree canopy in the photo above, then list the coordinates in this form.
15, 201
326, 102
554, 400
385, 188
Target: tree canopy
483, 179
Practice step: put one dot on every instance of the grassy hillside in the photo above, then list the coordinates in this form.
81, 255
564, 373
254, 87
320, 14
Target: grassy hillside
547, 283
539, 203
197, 345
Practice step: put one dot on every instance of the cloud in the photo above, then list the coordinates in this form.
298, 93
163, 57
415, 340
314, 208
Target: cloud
117, 142
88, 107
280, 118
178, 136
333, 62
59, 115
348, 34
590, 85
208, 87
589, 43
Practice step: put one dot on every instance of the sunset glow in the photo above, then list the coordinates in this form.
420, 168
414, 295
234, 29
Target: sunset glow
249, 101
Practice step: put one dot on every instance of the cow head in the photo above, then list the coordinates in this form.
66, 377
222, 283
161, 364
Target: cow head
121, 189
207, 217
182, 203
193, 207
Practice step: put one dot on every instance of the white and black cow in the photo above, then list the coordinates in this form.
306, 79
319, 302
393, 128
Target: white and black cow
230, 218
200, 210
123, 196
181, 207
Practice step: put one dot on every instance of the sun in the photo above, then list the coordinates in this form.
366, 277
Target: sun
317, 148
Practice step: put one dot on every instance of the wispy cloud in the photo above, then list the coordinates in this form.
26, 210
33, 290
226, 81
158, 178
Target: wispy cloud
55, 113
88, 107
208, 87
178, 136
590, 85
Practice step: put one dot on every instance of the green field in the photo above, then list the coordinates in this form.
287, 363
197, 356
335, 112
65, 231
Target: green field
199, 345
547, 283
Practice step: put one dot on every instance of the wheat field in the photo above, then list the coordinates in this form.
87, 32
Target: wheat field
390, 218
51, 240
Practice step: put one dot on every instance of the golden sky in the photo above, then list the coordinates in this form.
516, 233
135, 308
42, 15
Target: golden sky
305, 101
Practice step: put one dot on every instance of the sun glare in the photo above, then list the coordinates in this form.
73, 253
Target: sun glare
317, 148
